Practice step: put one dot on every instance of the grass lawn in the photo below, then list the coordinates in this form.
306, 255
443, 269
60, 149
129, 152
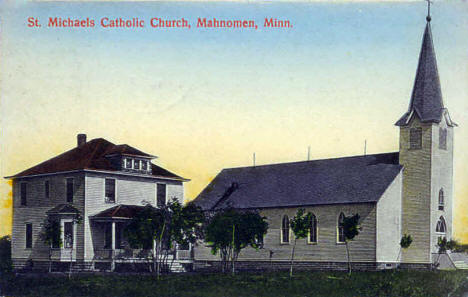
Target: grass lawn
329, 284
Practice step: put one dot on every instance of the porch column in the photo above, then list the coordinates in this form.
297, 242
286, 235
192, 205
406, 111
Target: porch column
113, 246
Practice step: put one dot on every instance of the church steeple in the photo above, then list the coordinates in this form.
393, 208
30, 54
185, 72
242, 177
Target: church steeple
426, 98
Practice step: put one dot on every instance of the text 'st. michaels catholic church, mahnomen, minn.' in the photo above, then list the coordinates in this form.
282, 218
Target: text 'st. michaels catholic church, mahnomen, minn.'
405, 192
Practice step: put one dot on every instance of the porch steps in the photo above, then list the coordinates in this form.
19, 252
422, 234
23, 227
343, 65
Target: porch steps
460, 260
177, 267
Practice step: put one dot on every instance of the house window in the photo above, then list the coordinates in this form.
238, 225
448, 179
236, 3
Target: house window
313, 230
28, 235
110, 190
161, 195
340, 229
136, 164
68, 234
23, 194
46, 189
144, 165
441, 227
441, 199
70, 190
442, 138
128, 163
285, 230
415, 138
56, 239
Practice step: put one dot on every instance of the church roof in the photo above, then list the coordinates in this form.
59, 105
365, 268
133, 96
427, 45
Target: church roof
426, 99
92, 155
359, 179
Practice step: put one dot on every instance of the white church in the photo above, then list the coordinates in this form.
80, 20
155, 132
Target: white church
406, 192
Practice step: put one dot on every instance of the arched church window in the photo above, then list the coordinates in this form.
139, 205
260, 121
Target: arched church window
285, 230
415, 138
313, 230
441, 199
442, 138
441, 227
340, 228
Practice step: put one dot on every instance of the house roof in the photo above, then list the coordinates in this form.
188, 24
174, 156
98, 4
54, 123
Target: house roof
426, 98
119, 211
63, 209
92, 155
359, 179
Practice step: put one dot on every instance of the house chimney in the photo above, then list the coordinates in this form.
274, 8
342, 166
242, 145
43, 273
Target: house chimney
81, 139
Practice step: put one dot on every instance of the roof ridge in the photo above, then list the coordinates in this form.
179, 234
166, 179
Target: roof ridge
307, 161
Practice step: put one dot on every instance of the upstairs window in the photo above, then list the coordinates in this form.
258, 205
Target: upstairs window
136, 164
128, 163
28, 235
46, 189
285, 230
68, 234
340, 229
313, 230
441, 199
441, 227
70, 189
110, 190
415, 138
442, 138
23, 194
161, 195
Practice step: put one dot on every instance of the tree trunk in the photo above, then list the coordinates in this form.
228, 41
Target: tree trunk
349, 260
71, 262
292, 258
233, 249
50, 259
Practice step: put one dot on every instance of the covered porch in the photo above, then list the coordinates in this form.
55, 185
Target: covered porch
111, 248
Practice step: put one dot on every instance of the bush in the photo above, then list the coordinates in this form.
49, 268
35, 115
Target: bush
5, 254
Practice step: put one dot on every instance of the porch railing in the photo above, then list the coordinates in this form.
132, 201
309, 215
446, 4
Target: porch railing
107, 254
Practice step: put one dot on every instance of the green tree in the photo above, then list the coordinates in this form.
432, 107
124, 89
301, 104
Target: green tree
146, 231
405, 243
50, 235
229, 231
5, 254
300, 226
351, 229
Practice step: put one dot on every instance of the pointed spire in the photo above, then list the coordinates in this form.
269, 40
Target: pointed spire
426, 99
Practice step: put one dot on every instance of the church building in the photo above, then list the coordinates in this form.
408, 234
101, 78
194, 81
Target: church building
397, 193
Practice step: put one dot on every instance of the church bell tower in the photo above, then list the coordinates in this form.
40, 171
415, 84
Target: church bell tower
426, 153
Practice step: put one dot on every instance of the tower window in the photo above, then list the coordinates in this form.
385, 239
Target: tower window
441, 199
285, 230
415, 138
441, 227
340, 229
442, 138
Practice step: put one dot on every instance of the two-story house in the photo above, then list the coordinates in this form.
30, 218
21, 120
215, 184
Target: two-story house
102, 182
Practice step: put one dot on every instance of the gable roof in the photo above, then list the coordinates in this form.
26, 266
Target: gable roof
63, 209
92, 155
359, 179
426, 98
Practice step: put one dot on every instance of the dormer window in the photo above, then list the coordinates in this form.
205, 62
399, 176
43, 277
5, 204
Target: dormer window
136, 164
128, 163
